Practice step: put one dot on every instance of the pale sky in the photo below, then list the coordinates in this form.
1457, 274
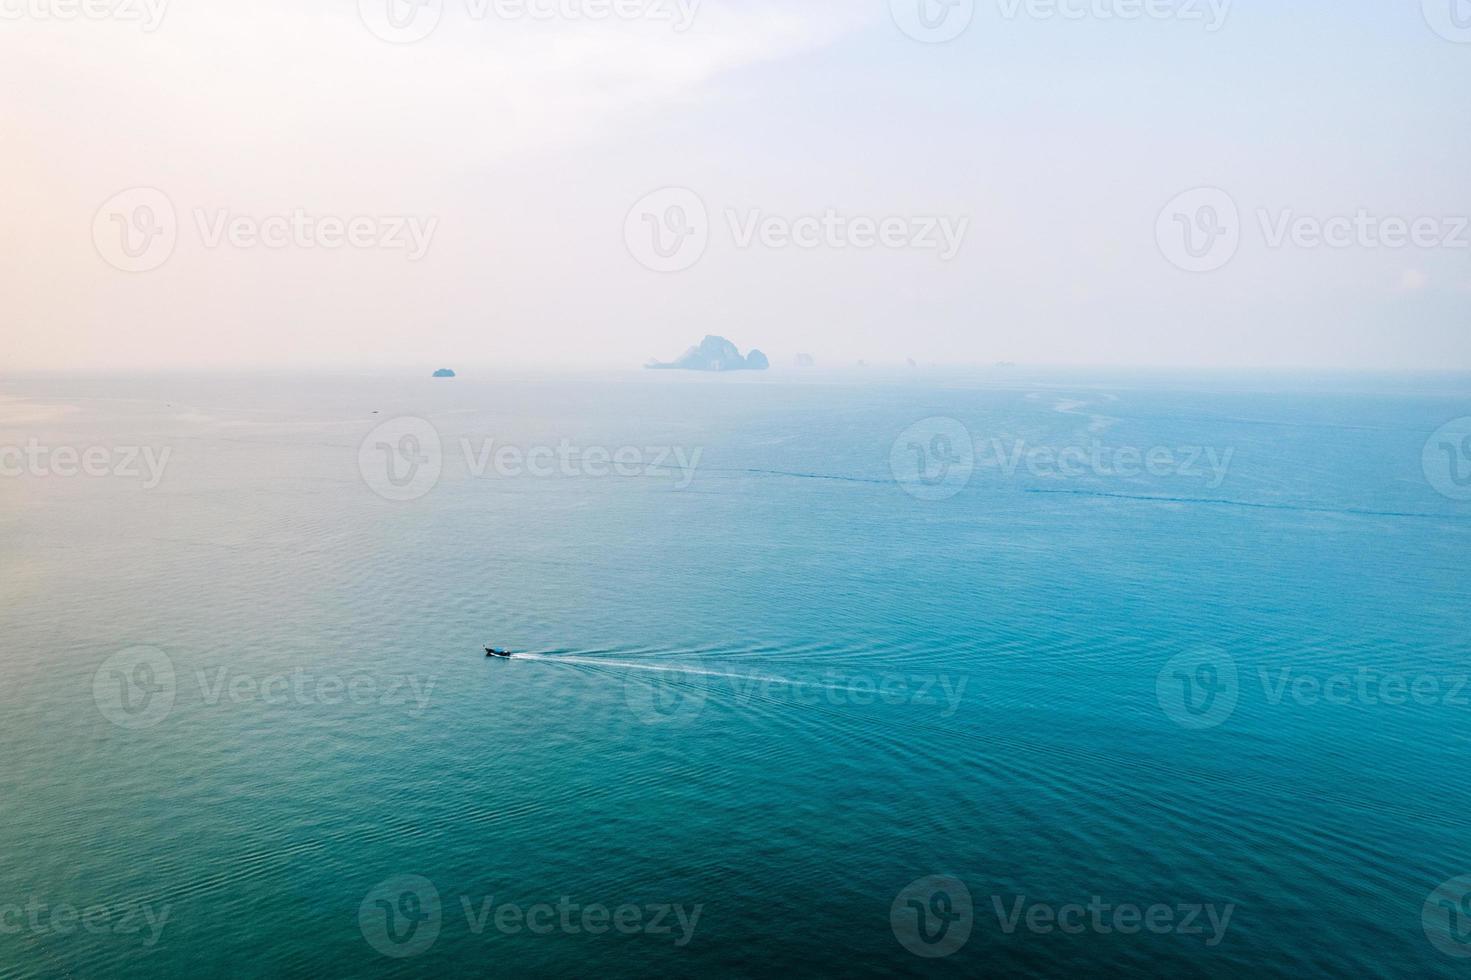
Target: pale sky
1047, 137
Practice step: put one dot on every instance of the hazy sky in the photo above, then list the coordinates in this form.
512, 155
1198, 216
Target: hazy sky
500, 167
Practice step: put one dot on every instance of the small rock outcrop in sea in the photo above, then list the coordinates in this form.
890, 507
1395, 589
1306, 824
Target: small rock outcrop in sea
806, 360
444, 373
714, 354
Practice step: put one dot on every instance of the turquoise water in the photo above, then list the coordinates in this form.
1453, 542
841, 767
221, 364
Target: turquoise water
765, 699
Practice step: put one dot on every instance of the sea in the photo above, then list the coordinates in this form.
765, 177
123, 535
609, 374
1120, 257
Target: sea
860, 673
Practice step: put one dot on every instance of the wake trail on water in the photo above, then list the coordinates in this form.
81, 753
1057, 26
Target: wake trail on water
671, 669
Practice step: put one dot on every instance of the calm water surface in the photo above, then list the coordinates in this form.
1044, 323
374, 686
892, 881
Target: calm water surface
241, 707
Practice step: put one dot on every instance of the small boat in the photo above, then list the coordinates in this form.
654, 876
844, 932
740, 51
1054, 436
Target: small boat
493, 652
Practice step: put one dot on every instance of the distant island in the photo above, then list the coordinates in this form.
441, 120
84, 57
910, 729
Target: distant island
806, 361
714, 354
444, 373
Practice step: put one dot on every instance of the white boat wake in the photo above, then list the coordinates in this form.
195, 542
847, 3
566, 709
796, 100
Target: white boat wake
672, 669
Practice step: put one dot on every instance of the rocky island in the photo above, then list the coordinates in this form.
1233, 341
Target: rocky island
444, 373
714, 354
